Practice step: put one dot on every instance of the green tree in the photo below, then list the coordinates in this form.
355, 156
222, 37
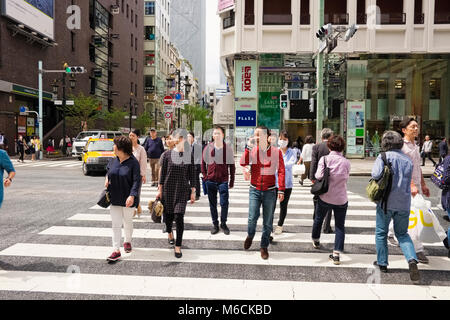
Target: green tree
82, 115
114, 119
143, 122
197, 113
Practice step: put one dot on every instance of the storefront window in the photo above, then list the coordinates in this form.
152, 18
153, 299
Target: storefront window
397, 88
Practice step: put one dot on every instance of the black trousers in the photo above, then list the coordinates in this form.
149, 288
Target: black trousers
284, 206
428, 156
198, 170
327, 221
179, 220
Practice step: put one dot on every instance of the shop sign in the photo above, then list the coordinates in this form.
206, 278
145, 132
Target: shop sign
30, 92
356, 124
245, 118
246, 79
246, 105
269, 112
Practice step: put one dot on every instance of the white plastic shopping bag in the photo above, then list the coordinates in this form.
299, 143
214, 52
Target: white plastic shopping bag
298, 169
423, 223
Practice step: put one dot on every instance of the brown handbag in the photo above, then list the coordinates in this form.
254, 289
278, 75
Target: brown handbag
156, 210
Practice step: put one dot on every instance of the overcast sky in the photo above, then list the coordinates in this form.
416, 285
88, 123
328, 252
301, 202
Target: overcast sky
212, 43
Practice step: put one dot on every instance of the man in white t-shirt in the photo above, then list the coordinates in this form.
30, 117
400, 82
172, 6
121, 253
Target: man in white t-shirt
426, 151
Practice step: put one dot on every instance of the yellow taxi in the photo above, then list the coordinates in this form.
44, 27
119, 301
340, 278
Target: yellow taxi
96, 155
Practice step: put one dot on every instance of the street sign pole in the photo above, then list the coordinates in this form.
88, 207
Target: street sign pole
41, 112
319, 76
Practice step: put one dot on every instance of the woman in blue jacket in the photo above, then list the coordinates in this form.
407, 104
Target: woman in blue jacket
5, 164
123, 182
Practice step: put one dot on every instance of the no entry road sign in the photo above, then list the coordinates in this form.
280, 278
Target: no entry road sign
168, 100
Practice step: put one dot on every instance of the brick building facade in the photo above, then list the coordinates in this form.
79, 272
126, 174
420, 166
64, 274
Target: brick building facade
112, 43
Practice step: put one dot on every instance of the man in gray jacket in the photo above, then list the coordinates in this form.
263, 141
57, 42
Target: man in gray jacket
318, 151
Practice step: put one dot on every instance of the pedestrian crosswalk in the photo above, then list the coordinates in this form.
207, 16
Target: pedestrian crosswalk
48, 164
216, 266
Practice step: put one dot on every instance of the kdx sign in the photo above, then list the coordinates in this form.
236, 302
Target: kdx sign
246, 78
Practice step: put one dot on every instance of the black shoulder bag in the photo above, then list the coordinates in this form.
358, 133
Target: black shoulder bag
321, 186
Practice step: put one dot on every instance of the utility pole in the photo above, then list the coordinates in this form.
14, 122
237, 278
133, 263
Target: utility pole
64, 148
41, 110
319, 76
179, 91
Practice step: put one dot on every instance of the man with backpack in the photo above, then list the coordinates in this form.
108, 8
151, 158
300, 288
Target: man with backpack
395, 203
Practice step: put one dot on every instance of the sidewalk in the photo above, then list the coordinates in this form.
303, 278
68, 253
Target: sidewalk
362, 167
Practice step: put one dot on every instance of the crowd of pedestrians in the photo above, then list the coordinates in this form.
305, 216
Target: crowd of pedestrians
268, 163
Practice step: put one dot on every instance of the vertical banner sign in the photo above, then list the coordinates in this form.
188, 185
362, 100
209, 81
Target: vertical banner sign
356, 128
246, 79
269, 112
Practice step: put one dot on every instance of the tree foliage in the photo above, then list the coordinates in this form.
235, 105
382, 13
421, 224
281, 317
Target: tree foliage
143, 122
83, 114
197, 113
114, 119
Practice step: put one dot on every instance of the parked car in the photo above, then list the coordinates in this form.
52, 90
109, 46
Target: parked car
83, 137
97, 154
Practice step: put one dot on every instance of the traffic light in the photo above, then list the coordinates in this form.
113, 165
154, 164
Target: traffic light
325, 31
284, 101
74, 70
350, 32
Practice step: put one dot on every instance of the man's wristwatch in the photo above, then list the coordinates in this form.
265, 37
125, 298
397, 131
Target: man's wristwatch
9, 179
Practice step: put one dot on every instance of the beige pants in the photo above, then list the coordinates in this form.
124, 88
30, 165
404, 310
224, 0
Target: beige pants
154, 166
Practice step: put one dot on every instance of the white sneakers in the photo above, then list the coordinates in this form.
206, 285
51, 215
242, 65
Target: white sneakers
278, 230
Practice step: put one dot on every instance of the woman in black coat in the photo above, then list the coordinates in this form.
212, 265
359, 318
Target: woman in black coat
177, 186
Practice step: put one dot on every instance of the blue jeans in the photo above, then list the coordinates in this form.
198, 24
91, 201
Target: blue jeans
339, 220
268, 200
401, 223
212, 188
448, 231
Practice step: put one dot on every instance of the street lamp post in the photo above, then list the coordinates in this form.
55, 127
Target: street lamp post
131, 110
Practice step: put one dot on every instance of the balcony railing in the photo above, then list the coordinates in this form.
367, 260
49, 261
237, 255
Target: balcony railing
393, 18
442, 18
277, 19
305, 19
228, 22
249, 19
336, 18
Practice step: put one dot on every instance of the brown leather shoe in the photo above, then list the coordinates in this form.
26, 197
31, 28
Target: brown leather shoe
264, 253
248, 243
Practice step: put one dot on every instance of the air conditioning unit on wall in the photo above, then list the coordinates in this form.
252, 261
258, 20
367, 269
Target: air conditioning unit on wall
115, 9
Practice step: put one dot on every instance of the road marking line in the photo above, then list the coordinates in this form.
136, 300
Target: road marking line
234, 257
243, 221
202, 235
292, 211
291, 202
203, 288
